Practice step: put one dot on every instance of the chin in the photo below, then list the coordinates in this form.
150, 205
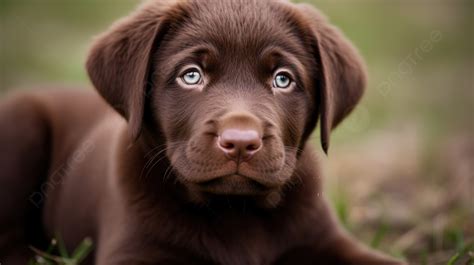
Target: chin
230, 188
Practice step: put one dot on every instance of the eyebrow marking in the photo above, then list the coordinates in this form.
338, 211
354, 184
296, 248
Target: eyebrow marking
285, 59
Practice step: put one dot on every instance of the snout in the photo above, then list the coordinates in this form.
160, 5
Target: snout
237, 153
239, 139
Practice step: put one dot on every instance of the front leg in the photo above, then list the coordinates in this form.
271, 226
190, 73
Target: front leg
340, 250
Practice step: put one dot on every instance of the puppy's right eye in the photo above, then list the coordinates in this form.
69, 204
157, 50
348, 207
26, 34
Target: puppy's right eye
191, 77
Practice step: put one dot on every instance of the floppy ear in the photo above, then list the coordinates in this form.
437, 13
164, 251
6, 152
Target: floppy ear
341, 76
119, 62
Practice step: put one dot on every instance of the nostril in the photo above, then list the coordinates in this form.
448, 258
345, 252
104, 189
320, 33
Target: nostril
227, 145
253, 147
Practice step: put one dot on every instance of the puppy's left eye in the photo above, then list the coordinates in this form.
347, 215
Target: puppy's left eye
282, 80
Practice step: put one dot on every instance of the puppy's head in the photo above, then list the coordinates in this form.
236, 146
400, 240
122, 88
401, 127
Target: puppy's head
235, 87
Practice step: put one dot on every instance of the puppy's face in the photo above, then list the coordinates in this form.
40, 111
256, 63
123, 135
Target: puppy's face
232, 94
235, 87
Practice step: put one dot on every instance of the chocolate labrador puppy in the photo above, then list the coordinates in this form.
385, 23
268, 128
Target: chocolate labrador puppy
200, 155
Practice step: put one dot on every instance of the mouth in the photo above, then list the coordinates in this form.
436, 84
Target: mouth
234, 184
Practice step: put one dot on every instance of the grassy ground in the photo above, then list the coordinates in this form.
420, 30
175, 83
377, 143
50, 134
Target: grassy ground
400, 170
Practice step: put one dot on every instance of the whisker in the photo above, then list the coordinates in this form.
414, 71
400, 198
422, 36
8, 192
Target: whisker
293, 148
168, 170
155, 159
154, 149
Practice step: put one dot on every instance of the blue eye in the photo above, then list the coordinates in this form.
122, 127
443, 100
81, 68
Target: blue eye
282, 81
192, 77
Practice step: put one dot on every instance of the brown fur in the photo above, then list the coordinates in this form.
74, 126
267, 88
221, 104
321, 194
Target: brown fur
156, 187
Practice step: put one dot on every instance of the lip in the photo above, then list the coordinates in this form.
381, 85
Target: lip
233, 184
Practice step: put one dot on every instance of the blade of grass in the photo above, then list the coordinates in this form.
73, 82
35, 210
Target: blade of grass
454, 259
465, 251
342, 208
379, 235
62, 247
50, 258
82, 250
424, 257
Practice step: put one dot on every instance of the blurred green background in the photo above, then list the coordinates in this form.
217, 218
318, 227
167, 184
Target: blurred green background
400, 170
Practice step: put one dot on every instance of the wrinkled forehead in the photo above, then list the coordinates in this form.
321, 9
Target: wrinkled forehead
239, 27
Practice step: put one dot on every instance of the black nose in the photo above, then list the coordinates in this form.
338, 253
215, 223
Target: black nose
240, 144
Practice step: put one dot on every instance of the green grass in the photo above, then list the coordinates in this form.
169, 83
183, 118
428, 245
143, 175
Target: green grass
467, 252
57, 253
379, 235
341, 205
